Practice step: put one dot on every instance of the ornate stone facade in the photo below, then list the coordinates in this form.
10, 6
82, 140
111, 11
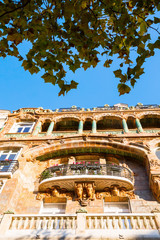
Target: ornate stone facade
89, 161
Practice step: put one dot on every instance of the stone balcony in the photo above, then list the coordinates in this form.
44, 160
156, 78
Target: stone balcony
103, 175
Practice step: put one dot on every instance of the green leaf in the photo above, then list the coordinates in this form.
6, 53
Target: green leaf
108, 63
48, 78
123, 88
118, 73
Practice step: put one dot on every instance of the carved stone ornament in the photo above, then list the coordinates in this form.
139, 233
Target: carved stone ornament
154, 163
155, 185
115, 191
55, 191
26, 116
85, 191
156, 210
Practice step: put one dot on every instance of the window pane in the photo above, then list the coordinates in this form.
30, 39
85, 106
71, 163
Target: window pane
26, 129
12, 156
19, 129
3, 156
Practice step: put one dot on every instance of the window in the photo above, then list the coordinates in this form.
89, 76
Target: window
22, 127
53, 208
10, 154
116, 207
8, 161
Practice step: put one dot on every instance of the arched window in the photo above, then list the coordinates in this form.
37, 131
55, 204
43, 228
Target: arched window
45, 126
87, 125
150, 122
67, 125
131, 122
109, 123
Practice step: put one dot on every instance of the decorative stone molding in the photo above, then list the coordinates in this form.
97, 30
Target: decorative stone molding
143, 114
66, 116
154, 164
103, 115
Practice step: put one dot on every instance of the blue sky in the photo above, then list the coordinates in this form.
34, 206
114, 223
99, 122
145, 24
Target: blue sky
96, 87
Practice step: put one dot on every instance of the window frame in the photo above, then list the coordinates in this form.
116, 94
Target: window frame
17, 125
10, 151
50, 208
117, 203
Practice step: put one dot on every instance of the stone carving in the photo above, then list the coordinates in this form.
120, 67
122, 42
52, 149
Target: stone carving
41, 196
154, 163
90, 188
85, 191
79, 190
156, 187
115, 191
156, 210
26, 116
55, 192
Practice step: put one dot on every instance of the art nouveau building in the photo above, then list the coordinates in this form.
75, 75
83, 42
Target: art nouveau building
80, 173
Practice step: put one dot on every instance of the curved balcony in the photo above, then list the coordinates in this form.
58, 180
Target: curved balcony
104, 175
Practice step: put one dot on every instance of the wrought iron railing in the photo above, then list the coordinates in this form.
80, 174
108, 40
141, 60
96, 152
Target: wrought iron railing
9, 166
87, 169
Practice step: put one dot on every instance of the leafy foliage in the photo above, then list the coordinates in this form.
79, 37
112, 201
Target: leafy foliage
75, 33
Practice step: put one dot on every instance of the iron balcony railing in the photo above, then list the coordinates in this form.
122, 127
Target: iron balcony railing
9, 166
87, 169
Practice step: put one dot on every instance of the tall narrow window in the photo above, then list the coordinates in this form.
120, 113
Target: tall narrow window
8, 161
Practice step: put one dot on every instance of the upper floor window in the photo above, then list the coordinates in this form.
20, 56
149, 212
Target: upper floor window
22, 127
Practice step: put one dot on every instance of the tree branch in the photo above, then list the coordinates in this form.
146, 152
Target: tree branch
15, 9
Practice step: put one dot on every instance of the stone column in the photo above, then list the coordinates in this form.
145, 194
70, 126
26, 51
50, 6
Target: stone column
157, 220
37, 128
81, 223
94, 126
139, 126
80, 127
125, 127
50, 129
5, 223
